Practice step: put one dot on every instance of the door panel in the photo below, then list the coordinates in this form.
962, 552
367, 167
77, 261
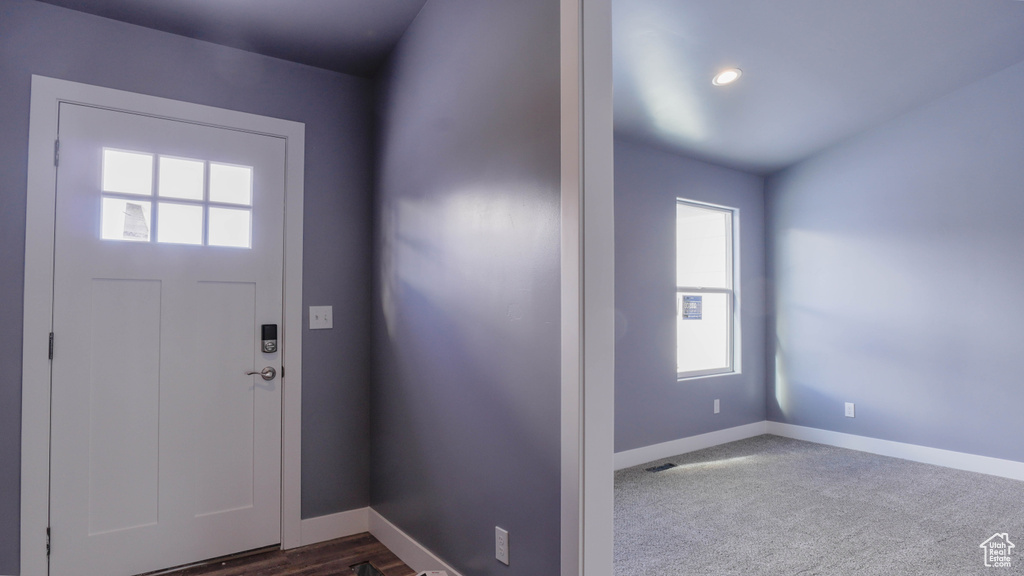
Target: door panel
163, 451
125, 370
225, 398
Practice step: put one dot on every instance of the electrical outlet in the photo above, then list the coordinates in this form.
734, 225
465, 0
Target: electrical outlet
718, 407
849, 409
501, 545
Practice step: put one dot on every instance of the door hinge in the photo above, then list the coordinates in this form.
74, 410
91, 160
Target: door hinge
282, 372
47, 540
51, 345
56, 152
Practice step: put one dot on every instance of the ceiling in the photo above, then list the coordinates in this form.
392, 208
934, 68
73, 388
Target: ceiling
349, 36
814, 72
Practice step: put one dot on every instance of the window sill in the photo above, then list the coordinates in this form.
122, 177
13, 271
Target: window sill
688, 377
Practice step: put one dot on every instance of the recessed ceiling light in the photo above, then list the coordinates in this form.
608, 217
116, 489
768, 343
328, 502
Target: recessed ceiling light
727, 76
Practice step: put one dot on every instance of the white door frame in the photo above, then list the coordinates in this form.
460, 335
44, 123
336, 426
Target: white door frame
47, 94
588, 288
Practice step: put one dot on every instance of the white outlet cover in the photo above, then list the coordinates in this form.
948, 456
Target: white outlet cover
718, 406
321, 317
501, 545
849, 410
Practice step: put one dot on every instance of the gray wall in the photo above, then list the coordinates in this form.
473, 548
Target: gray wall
465, 401
41, 39
651, 405
898, 273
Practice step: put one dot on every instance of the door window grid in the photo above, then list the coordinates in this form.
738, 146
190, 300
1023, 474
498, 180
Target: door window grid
705, 290
197, 202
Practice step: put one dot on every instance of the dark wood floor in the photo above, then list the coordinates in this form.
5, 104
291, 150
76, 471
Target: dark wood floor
331, 558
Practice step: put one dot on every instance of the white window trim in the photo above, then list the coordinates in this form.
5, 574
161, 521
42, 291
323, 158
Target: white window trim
47, 94
733, 310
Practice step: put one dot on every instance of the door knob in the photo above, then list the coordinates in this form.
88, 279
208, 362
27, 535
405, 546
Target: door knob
267, 373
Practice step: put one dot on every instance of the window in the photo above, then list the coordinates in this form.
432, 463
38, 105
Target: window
705, 295
190, 208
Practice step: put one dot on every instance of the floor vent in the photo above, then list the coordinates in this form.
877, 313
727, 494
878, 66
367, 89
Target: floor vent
660, 468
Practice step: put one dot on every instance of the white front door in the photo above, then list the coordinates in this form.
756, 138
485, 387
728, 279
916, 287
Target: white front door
168, 260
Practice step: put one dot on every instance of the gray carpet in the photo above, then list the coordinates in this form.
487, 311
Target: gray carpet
771, 505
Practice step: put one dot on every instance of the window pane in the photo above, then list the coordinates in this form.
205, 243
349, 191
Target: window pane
127, 172
702, 334
125, 220
230, 227
180, 223
703, 247
231, 184
181, 178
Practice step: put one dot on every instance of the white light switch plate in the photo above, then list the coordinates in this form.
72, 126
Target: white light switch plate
321, 317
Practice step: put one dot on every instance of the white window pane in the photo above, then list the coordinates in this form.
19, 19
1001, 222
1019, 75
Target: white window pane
127, 172
702, 336
179, 223
703, 247
231, 184
125, 220
181, 178
230, 227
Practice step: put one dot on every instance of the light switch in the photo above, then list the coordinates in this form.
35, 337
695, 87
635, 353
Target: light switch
321, 317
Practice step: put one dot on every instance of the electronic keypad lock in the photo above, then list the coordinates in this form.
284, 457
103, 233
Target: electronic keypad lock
269, 338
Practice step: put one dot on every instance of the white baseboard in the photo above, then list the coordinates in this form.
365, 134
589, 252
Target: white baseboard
414, 554
408, 550
637, 456
324, 528
924, 454
914, 452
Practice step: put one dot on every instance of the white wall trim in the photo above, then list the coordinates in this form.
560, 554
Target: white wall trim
291, 350
571, 513
338, 525
38, 320
414, 554
47, 94
637, 456
588, 289
924, 454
